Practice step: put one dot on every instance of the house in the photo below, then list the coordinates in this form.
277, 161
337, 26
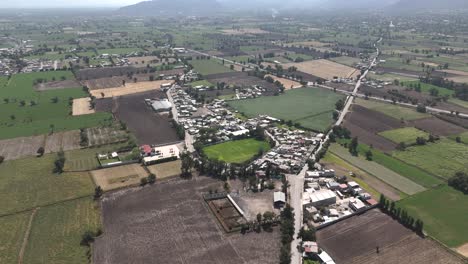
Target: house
310, 248
325, 258
279, 199
161, 105
160, 154
356, 204
322, 198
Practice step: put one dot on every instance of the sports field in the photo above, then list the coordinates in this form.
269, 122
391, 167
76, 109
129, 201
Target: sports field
443, 211
311, 108
206, 67
443, 158
407, 135
391, 110
30, 182
238, 151
26, 112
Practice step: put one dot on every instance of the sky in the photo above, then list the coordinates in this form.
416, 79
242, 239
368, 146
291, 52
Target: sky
65, 3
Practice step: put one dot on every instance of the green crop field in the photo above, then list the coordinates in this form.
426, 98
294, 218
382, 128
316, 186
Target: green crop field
237, 151
463, 137
459, 102
391, 110
30, 182
345, 60
443, 211
388, 77
426, 88
26, 112
207, 67
12, 230
311, 108
86, 159
407, 135
201, 82
56, 232
443, 158
392, 178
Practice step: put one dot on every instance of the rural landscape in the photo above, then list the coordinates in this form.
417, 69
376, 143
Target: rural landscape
220, 131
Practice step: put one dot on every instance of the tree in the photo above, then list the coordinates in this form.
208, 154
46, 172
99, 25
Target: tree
40, 151
369, 155
2, 159
98, 192
151, 178
87, 238
353, 146
420, 141
231, 67
401, 146
339, 105
259, 217
12, 117
143, 181
187, 164
59, 162
459, 181
421, 108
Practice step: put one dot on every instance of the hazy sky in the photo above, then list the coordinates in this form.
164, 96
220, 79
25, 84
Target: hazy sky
65, 3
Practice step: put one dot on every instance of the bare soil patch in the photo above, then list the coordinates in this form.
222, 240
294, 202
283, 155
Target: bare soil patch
119, 177
325, 69
463, 250
373, 229
166, 170
457, 76
129, 88
57, 85
82, 106
21, 147
98, 136
171, 223
288, 84
437, 126
65, 141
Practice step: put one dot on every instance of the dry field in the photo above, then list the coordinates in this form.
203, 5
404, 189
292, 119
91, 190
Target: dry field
312, 44
166, 170
437, 126
325, 69
143, 60
98, 136
82, 106
288, 84
129, 88
20, 147
244, 31
57, 85
171, 223
458, 76
463, 250
119, 177
65, 141
373, 229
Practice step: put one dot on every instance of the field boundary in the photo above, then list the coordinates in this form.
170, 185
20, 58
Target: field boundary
26, 235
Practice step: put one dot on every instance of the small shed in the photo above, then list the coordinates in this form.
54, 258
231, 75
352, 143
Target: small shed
279, 199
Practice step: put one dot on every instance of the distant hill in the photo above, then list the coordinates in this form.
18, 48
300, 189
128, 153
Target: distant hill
430, 4
171, 7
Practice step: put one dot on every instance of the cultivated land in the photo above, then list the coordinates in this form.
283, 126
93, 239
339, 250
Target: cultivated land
98, 136
129, 88
407, 135
82, 106
21, 189
166, 169
443, 211
311, 108
394, 111
12, 231
57, 230
392, 178
86, 159
443, 158
237, 151
69, 140
119, 177
28, 112
154, 222
325, 69
437, 126
288, 84
206, 67
373, 228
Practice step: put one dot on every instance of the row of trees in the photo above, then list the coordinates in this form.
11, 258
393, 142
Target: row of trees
459, 181
287, 234
389, 207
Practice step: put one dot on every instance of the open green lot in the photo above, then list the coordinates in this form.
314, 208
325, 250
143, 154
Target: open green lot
86, 159
443, 211
345, 60
407, 135
443, 158
392, 178
211, 66
426, 88
30, 182
392, 110
463, 137
201, 82
311, 108
26, 112
56, 232
237, 151
12, 230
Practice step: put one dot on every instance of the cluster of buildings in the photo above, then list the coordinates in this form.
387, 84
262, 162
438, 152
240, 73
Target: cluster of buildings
155, 154
184, 104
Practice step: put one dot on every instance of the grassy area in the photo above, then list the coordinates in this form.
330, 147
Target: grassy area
459, 102
26, 112
237, 151
392, 178
443, 158
212, 66
443, 211
30, 182
426, 88
56, 232
239, 59
201, 82
311, 108
388, 77
406, 134
120, 51
12, 230
345, 60
463, 137
391, 110
86, 159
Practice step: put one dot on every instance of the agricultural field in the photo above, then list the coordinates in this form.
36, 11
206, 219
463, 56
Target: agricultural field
201, 83
426, 88
443, 211
325, 69
288, 84
99, 136
463, 137
129, 88
443, 158
345, 60
237, 151
86, 159
407, 135
437, 126
395, 111
69, 140
57, 230
166, 170
207, 67
120, 51
119, 177
12, 231
390, 177
82, 106
21, 190
311, 108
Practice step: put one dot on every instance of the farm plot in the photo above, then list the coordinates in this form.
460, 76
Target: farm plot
437, 126
12, 231
98, 136
443, 158
166, 170
392, 178
206, 67
395, 111
228, 216
129, 88
463, 137
162, 217
443, 211
325, 69
119, 177
407, 135
237, 151
288, 84
57, 231
30, 182
96, 73
242, 79
65, 141
82, 106
16, 148
458, 76
345, 60
86, 159
311, 108
373, 229
54, 85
